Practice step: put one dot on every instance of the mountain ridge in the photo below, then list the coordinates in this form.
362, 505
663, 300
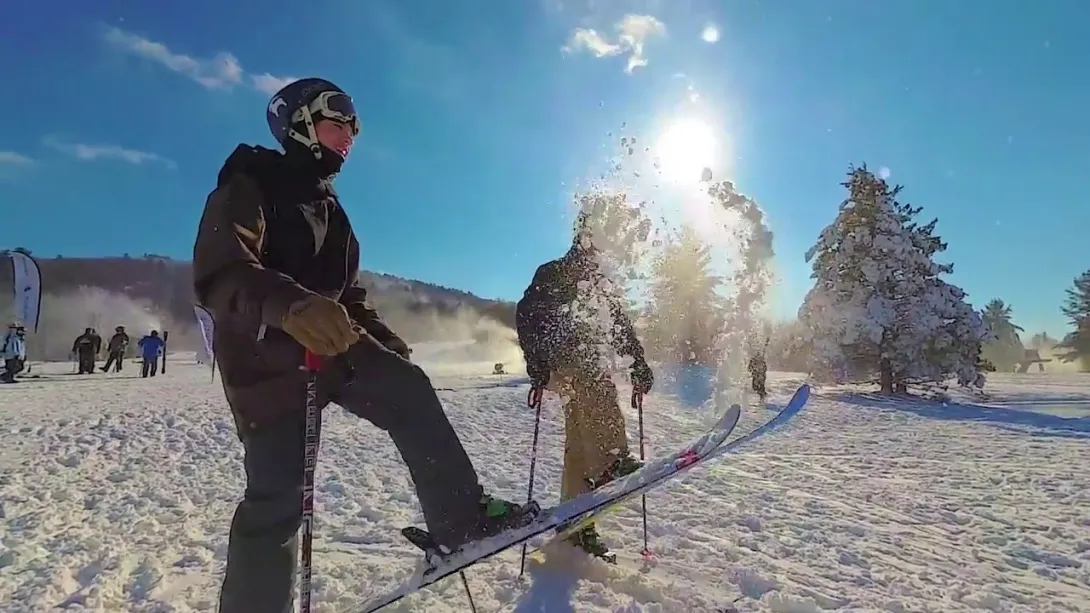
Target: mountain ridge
168, 284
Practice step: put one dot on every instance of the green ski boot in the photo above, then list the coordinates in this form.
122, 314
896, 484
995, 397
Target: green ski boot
623, 466
588, 540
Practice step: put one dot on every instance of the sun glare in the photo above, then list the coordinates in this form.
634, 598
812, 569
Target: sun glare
685, 149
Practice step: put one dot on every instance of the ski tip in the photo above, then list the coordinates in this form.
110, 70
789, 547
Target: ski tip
803, 393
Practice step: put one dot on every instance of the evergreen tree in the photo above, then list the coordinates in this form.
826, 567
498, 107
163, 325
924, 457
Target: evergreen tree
879, 304
685, 311
1003, 348
1077, 309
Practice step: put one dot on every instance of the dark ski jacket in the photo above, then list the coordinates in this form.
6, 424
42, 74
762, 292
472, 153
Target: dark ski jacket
118, 342
87, 343
757, 366
271, 234
548, 333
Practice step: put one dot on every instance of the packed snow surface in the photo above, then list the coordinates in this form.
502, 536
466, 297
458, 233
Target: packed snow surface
116, 493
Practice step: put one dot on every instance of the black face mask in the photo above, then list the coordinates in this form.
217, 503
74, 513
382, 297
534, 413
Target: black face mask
303, 158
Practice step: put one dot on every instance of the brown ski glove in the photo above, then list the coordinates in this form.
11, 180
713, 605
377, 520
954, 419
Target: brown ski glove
321, 325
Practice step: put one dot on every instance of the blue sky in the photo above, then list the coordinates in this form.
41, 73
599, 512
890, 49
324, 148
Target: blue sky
480, 117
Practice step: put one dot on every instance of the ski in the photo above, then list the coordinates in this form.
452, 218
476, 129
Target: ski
438, 565
577, 522
619, 491
565, 518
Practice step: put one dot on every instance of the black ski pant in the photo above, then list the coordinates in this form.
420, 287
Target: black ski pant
759, 384
12, 367
149, 367
86, 362
393, 394
115, 357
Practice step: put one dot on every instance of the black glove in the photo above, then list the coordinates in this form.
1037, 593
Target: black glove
538, 372
642, 377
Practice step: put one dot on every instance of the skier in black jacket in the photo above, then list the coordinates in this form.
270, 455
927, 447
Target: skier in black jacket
563, 351
276, 262
115, 350
86, 347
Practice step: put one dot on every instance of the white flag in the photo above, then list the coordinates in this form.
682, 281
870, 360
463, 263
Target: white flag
27, 285
208, 327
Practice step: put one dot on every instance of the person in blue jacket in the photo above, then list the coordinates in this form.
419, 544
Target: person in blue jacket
151, 347
13, 352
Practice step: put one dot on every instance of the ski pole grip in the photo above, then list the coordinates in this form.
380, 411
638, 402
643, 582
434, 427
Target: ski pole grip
312, 362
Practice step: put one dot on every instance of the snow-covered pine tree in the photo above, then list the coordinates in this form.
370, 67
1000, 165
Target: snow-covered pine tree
1003, 348
879, 304
1077, 309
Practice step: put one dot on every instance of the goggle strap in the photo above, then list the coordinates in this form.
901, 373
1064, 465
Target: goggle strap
310, 140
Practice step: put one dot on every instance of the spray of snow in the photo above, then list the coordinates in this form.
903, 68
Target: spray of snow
634, 211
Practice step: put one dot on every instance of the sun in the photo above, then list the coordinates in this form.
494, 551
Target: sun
687, 146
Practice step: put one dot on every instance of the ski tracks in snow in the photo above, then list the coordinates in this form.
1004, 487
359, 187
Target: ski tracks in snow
116, 494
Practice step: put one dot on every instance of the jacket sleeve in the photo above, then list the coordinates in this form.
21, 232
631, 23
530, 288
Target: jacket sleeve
624, 333
355, 302
228, 277
532, 314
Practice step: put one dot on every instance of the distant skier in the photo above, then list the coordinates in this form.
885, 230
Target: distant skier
151, 348
758, 372
276, 263
562, 355
115, 349
13, 352
86, 347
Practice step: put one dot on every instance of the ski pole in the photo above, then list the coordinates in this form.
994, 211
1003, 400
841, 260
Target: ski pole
312, 363
637, 403
533, 400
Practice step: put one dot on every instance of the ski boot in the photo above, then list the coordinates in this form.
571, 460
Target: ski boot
496, 516
493, 516
623, 466
588, 540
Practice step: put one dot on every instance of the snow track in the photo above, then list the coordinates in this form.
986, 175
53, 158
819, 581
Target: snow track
116, 493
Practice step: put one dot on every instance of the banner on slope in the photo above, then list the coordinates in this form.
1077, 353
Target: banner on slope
207, 326
27, 287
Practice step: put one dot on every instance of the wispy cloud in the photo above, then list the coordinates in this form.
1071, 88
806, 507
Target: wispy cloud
268, 83
90, 153
222, 71
10, 158
632, 33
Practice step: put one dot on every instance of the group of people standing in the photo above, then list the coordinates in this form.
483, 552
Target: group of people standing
87, 347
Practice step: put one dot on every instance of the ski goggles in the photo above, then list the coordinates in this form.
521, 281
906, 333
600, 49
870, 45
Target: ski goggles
336, 106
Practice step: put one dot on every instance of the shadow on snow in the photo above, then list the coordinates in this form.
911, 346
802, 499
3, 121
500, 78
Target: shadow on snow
551, 590
1015, 420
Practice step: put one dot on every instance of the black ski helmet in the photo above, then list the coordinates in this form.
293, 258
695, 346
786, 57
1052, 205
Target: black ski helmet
289, 116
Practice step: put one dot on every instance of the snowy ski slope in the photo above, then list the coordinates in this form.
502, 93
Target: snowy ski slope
116, 494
